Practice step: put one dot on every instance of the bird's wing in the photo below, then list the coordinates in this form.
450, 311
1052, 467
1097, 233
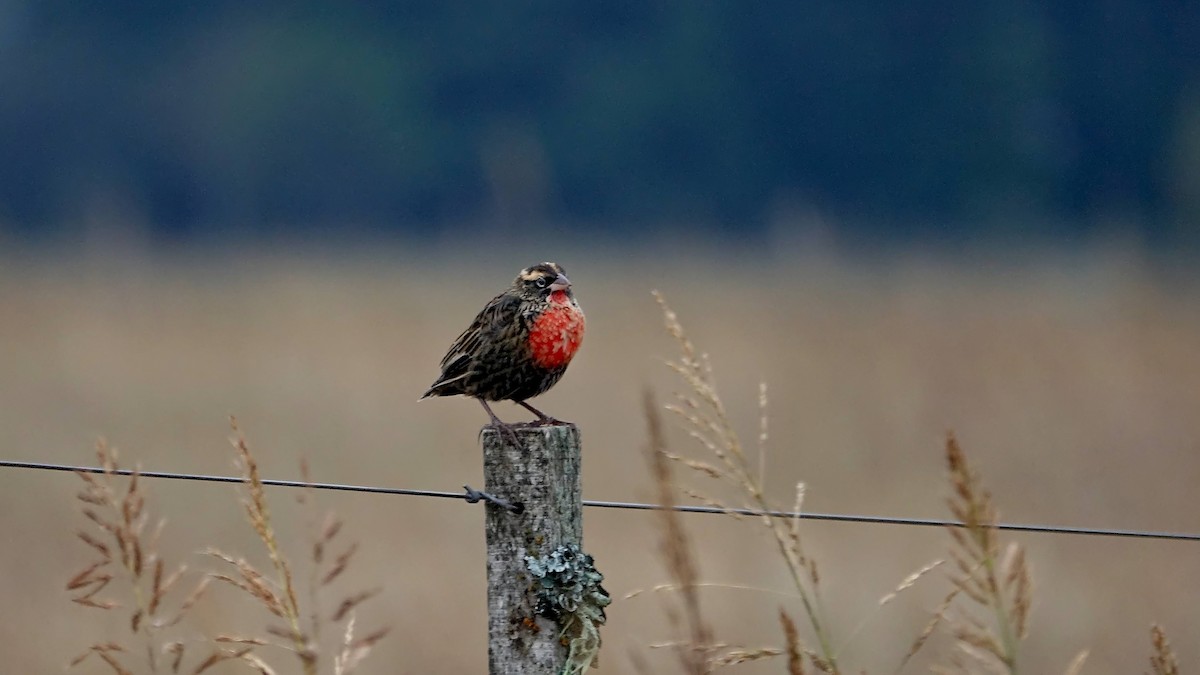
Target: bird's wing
493, 319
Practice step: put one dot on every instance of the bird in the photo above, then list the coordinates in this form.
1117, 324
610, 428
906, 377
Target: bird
518, 346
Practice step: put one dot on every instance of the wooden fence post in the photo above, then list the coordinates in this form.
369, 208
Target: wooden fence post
543, 477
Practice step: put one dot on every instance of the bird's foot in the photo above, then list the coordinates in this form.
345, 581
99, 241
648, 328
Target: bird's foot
543, 420
507, 432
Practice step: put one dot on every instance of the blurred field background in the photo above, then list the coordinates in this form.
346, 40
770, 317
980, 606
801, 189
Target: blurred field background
1072, 383
905, 217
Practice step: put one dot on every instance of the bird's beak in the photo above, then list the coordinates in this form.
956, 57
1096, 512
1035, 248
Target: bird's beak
562, 283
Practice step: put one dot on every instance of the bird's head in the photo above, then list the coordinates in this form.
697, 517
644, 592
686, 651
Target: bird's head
540, 281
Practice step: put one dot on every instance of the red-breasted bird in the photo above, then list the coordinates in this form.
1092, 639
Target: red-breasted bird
518, 346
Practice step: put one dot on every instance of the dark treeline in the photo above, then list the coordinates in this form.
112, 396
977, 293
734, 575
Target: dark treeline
1050, 118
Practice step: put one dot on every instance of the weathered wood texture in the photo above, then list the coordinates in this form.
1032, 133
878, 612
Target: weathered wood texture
543, 475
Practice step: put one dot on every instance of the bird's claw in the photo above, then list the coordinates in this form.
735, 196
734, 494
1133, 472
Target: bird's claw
507, 432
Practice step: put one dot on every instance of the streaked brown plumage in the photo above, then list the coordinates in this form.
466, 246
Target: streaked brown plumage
518, 346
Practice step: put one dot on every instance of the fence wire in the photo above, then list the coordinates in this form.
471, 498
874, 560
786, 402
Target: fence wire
471, 496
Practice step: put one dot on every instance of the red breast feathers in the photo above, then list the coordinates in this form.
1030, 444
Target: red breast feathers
557, 332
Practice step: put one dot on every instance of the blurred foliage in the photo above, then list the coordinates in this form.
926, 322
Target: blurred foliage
906, 117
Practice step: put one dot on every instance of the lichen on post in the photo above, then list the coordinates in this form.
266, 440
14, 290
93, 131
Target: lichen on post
567, 588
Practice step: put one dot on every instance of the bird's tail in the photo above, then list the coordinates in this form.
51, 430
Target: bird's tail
448, 387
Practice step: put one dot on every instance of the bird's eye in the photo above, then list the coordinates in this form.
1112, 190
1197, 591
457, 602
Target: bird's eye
541, 282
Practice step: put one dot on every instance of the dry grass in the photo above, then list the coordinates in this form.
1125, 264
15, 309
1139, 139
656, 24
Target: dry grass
697, 651
704, 417
279, 596
703, 413
122, 521
126, 562
989, 582
997, 585
1000, 586
1071, 381
1162, 661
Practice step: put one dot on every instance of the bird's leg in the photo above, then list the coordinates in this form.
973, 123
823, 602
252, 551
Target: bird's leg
543, 418
505, 430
